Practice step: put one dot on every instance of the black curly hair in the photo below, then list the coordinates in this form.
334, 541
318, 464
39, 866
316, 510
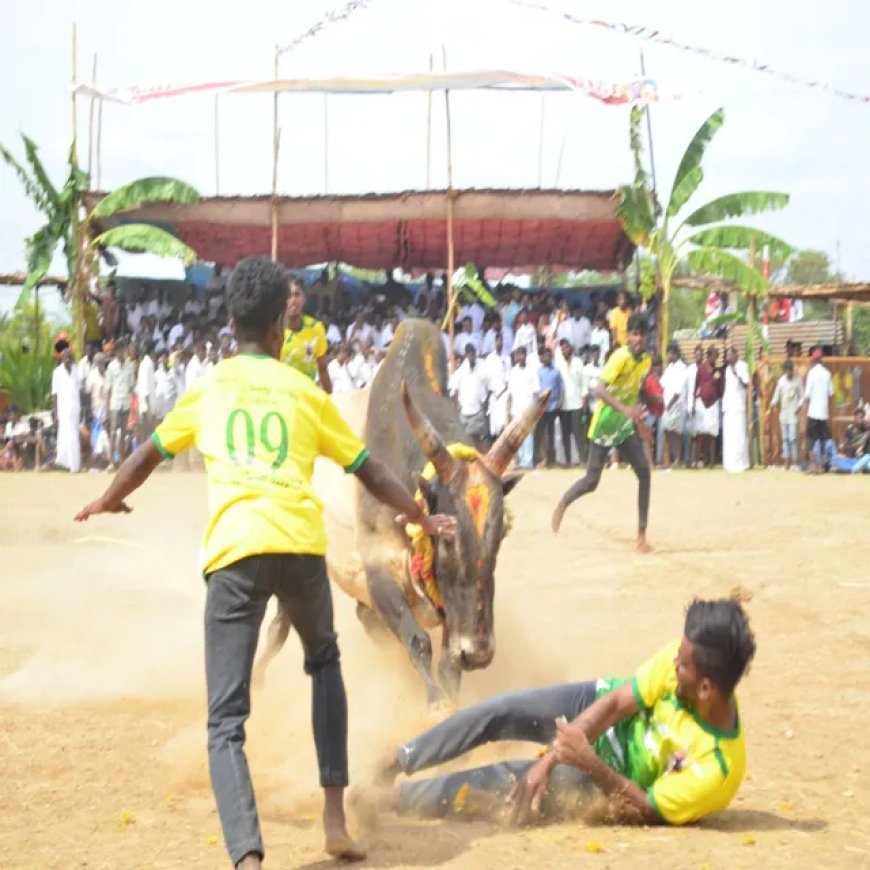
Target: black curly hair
256, 296
637, 322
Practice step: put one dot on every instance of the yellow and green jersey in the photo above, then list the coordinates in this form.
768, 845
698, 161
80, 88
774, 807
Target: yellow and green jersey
623, 376
259, 425
304, 346
688, 768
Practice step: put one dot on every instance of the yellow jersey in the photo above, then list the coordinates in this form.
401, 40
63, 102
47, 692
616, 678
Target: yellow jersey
304, 346
618, 323
259, 425
689, 768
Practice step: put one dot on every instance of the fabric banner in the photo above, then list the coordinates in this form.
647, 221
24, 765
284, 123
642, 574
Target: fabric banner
637, 91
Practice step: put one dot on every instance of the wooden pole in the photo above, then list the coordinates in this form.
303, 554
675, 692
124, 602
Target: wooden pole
429, 131
750, 321
850, 326
276, 144
74, 80
79, 241
91, 118
217, 147
451, 261
100, 144
326, 143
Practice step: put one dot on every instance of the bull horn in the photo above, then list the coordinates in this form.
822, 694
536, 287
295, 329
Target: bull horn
428, 439
509, 442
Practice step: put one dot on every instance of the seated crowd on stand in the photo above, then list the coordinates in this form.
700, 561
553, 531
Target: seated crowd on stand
144, 351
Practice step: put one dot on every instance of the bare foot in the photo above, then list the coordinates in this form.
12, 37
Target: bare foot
556, 521
251, 861
642, 545
339, 843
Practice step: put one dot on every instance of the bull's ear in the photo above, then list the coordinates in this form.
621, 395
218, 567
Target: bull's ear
509, 481
427, 490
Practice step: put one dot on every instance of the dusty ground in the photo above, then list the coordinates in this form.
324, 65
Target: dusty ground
101, 702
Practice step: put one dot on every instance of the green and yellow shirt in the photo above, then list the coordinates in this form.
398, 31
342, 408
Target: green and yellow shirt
623, 376
688, 768
304, 346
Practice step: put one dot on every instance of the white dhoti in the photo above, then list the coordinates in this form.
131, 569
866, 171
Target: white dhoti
69, 446
705, 421
674, 418
497, 413
735, 444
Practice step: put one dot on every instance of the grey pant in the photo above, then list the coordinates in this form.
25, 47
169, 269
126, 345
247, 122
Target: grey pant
526, 715
235, 605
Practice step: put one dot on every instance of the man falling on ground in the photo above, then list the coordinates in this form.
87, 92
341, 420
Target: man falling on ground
667, 743
618, 422
260, 425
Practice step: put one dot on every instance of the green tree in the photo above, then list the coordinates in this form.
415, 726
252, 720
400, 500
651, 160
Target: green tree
83, 235
810, 267
699, 240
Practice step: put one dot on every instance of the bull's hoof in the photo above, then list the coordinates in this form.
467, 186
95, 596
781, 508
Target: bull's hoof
441, 709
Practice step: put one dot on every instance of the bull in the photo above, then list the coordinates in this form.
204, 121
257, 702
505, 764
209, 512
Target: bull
409, 421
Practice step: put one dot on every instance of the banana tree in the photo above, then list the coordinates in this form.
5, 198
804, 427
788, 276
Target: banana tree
86, 237
699, 240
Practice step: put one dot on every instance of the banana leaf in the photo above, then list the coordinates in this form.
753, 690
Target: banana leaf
40, 176
737, 205
715, 261
636, 213
141, 192
688, 175
40, 200
143, 238
741, 238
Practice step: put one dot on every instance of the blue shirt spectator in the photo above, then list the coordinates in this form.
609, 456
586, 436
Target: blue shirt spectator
550, 379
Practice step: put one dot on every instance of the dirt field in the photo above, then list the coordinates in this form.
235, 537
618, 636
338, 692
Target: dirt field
102, 735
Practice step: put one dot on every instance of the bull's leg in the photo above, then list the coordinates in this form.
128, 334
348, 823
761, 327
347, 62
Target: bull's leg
371, 622
389, 601
449, 672
276, 637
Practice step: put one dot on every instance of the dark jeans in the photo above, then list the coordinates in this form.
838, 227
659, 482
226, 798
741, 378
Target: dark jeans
631, 451
546, 429
571, 423
526, 715
235, 605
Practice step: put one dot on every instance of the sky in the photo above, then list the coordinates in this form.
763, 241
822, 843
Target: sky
777, 136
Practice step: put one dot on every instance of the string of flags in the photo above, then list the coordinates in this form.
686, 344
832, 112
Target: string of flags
652, 35
330, 18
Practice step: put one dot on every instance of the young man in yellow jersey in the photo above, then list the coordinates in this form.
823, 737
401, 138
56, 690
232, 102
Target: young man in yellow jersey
618, 422
260, 425
305, 342
667, 742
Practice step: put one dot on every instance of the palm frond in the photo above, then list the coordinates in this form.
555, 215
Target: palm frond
741, 238
30, 186
143, 238
636, 213
40, 249
737, 205
692, 161
38, 170
716, 261
143, 191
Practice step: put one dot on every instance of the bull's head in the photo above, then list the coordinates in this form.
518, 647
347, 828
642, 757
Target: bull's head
473, 492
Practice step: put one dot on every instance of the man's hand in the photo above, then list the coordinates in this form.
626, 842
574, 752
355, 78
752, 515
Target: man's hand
527, 794
102, 506
635, 413
437, 525
572, 745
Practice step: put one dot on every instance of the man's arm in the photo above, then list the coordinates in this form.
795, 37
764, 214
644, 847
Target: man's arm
323, 373
135, 470
633, 412
380, 481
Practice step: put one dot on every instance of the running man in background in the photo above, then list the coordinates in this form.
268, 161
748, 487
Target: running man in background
618, 422
668, 742
260, 425
305, 344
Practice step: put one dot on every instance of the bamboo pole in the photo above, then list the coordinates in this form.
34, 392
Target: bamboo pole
276, 144
325, 142
451, 261
79, 241
74, 82
91, 118
750, 320
100, 144
850, 325
541, 146
217, 147
429, 131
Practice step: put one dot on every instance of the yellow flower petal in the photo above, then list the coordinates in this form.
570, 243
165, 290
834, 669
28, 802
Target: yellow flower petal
595, 846
461, 798
749, 840
211, 841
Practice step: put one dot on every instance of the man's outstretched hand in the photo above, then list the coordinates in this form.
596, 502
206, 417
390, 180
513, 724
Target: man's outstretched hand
529, 791
436, 525
102, 506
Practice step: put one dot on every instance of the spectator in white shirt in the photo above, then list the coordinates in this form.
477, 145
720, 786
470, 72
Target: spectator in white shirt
819, 390
361, 365
197, 367
66, 411
165, 388
359, 330
735, 440
176, 334
385, 336
674, 383
789, 396
339, 371
468, 386
591, 354
522, 388
600, 338
333, 333
86, 363
476, 312
581, 328
466, 337
497, 367
574, 393
146, 393
491, 328
525, 335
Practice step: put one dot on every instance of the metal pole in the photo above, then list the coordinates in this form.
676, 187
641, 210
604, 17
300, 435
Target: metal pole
217, 148
451, 261
276, 142
649, 135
